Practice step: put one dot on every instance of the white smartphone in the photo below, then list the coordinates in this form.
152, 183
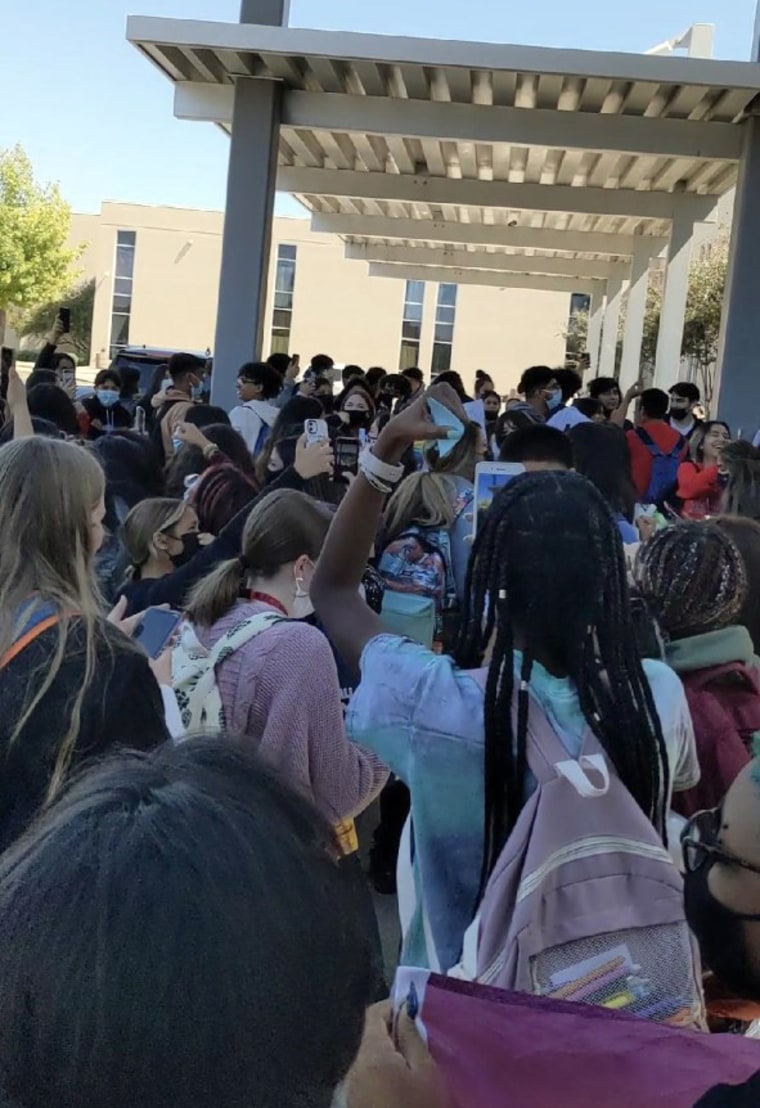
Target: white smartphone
490, 479
316, 431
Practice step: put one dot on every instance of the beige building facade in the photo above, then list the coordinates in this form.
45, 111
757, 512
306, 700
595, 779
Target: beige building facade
157, 274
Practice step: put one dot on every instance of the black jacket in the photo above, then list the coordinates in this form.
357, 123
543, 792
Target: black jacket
174, 588
122, 708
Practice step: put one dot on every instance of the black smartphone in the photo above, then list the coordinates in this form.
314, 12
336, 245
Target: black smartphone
7, 361
64, 314
346, 456
156, 629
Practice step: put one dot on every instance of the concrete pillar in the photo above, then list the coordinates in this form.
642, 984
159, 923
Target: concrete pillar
611, 327
738, 377
670, 338
251, 181
633, 335
594, 337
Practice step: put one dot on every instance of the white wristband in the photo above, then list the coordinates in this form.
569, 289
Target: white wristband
383, 471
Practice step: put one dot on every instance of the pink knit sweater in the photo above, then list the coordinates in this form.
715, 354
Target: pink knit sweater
281, 691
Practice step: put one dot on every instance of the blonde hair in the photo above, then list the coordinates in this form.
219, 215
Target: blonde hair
422, 500
48, 492
463, 458
281, 528
144, 521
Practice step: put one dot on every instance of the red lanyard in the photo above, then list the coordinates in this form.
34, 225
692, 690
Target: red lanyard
272, 601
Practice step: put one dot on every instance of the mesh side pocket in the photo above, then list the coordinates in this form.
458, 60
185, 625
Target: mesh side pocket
645, 971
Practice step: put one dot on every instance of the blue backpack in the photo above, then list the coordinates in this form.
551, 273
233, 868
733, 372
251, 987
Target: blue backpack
664, 480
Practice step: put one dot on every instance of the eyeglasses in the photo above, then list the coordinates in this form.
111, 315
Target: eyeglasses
699, 842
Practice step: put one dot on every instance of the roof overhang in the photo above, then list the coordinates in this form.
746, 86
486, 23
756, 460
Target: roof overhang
483, 148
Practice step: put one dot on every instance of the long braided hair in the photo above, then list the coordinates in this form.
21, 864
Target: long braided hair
547, 575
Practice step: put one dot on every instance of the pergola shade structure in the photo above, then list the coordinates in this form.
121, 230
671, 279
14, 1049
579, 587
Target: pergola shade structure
480, 159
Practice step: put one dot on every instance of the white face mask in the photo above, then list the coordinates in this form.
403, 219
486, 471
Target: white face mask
302, 605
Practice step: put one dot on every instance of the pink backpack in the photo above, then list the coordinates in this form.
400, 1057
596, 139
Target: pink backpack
585, 903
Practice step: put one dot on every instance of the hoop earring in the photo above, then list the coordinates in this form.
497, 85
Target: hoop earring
300, 593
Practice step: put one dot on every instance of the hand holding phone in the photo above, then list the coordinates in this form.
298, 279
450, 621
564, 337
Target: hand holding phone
155, 630
315, 431
64, 314
347, 456
490, 479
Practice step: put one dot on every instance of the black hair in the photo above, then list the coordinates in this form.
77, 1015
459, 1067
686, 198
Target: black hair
654, 403
133, 469
260, 373
414, 374
108, 375
537, 443
535, 379
351, 372
686, 390
600, 453
42, 427
293, 414
51, 402
322, 363
588, 406
547, 574
374, 376
601, 385
155, 387
207, 415
569, 381
452, 378
397, 385
130, 382
41, 377
280, 362
234, 970
190, 459
182, 365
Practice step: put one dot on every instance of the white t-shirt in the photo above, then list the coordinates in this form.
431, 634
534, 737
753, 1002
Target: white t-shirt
566, 418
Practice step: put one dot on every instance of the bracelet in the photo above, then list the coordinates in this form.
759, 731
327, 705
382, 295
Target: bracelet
376, 484
383, 471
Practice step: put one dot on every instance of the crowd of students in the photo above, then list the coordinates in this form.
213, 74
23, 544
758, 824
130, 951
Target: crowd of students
184, 918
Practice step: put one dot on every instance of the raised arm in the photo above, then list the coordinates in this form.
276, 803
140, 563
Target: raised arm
620, 414
349, 623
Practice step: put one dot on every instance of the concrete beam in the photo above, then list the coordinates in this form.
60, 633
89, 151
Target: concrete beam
473, 277
482, 234
421, 189
501, 263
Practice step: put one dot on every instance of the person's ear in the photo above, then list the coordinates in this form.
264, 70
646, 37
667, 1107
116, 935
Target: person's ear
160, 542
300, 566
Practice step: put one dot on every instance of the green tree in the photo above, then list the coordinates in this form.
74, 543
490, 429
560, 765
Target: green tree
35, 325
35, 261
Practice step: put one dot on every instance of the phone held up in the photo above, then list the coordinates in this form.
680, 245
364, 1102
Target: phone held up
156, 629
490, 479
315, 431
7, 362
347, 456
64, 314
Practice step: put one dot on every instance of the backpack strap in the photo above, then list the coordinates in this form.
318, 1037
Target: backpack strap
27, 636
647, 440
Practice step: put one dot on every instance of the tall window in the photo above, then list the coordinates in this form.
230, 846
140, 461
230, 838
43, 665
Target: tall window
283, 299
124, 270
445, 315
411, 325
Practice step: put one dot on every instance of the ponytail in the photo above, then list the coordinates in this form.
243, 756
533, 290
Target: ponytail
214, 596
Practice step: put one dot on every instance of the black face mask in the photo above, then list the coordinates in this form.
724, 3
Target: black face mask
359, 419
191, 544
721, 936
679, 414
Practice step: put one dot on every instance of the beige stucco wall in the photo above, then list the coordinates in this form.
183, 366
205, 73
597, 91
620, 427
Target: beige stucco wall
338, 308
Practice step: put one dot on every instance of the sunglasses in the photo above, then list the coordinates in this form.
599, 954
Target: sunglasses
699, 842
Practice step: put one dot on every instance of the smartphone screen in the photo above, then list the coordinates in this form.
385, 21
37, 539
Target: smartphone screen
156, 629
490, 479
346, 456
64, 314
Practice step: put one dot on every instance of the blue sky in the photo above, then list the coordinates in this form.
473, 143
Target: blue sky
95, 116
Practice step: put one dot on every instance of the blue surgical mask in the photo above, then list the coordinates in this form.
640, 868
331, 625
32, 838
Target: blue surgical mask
554, 400
107, 397
177, 444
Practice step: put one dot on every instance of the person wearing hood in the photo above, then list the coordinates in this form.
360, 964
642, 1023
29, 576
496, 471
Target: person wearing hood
258, 386
171, 405
104, 407
693, 578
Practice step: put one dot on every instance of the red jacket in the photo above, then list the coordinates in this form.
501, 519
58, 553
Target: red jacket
701, 490
663, 435
724, 702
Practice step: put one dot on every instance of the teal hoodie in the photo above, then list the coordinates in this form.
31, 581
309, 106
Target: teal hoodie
713, 648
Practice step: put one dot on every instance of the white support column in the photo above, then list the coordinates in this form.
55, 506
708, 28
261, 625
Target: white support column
673, 316
630, 367
594, 338
611, 327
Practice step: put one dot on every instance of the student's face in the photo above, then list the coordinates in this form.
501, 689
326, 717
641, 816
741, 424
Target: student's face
248, 390
719, 890
715, 439
680, 406
97, 533
610, 400
356, 403
492, 406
